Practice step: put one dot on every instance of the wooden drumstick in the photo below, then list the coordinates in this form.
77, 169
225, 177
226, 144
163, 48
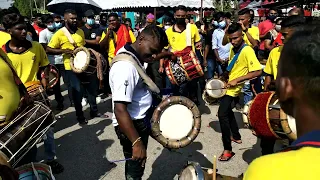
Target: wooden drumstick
214, 174
227, 88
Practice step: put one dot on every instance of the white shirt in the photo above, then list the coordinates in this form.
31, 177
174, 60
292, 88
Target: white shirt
127, 86
217, 38
44, 38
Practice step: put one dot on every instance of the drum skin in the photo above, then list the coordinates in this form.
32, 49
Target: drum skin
267, 121
155, 122
215, 88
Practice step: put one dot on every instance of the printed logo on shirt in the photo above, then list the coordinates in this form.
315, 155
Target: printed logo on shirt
173, 39
93, 35
126, 83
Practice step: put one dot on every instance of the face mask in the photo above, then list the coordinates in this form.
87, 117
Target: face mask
166, 27
51, 27
222, 24
278, 27
58, 25
90, 21
272, 17
180, 21
215, 23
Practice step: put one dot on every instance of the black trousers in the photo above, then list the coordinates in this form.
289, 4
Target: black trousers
267, 145
57, 88
133, 169
228, 123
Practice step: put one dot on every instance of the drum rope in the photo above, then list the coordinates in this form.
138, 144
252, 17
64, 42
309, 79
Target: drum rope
99, 66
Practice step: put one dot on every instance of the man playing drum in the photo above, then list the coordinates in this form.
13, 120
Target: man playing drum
131, 99
288, 26
177, 36
298, 90
60, 44
243, 65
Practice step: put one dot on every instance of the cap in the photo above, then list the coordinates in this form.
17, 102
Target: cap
150, 17
89, 13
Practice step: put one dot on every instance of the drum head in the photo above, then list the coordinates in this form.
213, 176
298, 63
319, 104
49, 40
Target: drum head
218, 85
170, 120
292, 124
189, 173
80, 60
245, 112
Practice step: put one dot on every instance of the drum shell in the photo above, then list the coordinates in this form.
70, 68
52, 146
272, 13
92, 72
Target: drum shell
26, 172
37, 93
155, 122
27, 127
54, 75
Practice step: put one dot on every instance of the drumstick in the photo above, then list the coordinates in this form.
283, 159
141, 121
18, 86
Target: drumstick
121, 160
214, 175
227, 88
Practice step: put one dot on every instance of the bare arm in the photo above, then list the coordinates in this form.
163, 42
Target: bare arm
205, 55
94, 42
249, 76
225, 40
267, 82
54, 51
268, 45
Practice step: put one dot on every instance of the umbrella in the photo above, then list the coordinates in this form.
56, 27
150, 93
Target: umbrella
80, 6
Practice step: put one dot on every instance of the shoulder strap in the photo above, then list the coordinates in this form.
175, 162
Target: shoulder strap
188, 34
235, 58
69, 36
124, 56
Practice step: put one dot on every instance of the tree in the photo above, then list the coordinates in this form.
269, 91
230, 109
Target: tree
23, 6
225, 5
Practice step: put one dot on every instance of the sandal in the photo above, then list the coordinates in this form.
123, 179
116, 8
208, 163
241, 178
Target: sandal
56, 167
226, 156
236, 141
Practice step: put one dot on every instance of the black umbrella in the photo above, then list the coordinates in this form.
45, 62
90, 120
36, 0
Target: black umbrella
80, 6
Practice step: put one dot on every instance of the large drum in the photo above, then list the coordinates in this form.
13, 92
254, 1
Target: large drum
87, 62
24, 130
37, 93
53, 76
35, 171
176, 122
187, 67
216, 88
267, 119
207, 99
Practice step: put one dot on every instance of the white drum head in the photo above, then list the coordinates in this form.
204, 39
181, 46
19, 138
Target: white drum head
216, 84
176, 122
80, 60
292, 124
245, 112
189, 173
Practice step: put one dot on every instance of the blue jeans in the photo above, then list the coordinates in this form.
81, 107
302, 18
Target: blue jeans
211, 68
49, 146
247, 92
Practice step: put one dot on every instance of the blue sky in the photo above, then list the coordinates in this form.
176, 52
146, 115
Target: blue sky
5, 3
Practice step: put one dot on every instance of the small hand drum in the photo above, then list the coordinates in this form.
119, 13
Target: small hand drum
216, 88
176, 122
245, 114
207, 99
53, 76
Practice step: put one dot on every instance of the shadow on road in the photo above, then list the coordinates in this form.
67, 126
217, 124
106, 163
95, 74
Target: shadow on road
171, 163
251, 154
215, 125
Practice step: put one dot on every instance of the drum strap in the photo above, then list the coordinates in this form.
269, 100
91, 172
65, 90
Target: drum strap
311, 139
127, 56
235, 58
69, 36
188, 34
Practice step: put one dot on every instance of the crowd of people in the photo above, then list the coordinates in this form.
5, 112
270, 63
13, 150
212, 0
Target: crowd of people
280, 54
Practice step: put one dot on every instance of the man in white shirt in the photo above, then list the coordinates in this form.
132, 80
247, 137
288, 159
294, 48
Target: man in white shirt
221, 51
131, 98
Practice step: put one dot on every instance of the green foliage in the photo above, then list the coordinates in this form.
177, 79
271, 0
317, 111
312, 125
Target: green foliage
225, 6
23, 6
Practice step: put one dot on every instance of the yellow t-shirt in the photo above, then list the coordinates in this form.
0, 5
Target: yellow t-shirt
247, 62
4, 38
60, 41
272, 63
9, 91
112, 48
27, 63
297, 164
178, 41
254, 32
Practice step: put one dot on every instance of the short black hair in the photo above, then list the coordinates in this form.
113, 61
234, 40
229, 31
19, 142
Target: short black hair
70, 11
278, 19
127, 20
219, 15
46, 18
293, 21
167, 19
301, 61
159, 33
244, 11
113, 15
103, 15
38, 15
228, 15
56, 16
182, 8
234, 27
11, 20
273, 9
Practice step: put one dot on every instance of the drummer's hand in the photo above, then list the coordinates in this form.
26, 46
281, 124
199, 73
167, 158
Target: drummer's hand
205, 63
161, 69
198, 45
45, 83
232, 83
139, 153
67, 51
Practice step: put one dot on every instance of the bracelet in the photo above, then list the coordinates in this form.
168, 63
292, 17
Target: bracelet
135, 142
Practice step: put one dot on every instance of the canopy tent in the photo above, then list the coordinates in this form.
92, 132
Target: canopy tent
207, 4
80, 6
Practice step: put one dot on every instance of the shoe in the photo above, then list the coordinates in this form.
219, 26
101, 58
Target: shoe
84, 102
82, 121
95, 114
98, 100
60, 107
56, 167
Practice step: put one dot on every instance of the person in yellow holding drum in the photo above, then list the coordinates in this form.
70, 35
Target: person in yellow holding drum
9, 90
297, 85
243, 65
288, 26
115, 37
27, 58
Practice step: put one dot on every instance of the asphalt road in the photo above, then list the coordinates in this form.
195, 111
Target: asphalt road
85, 151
